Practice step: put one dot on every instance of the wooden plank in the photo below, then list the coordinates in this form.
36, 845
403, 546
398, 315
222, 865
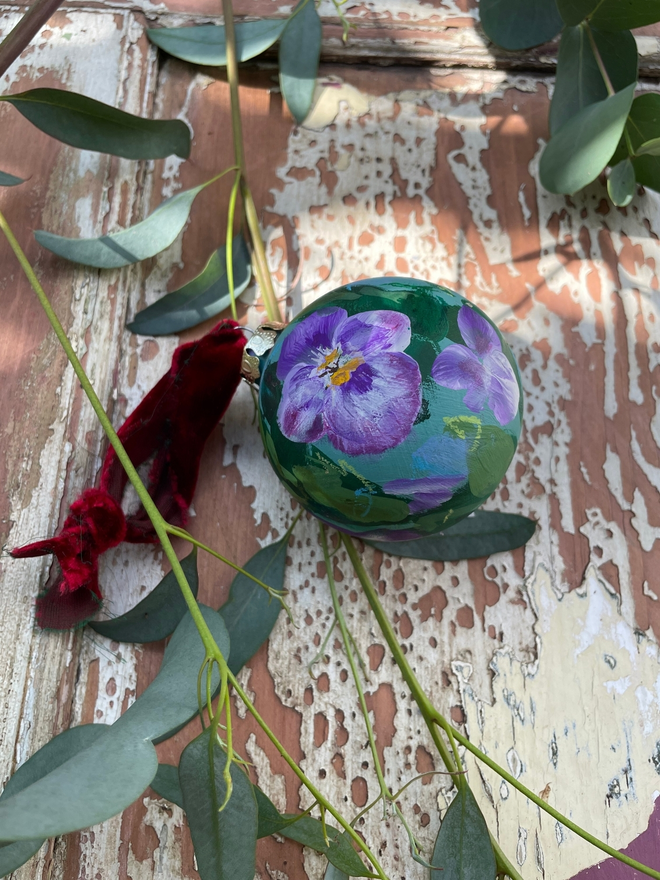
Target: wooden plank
548, 656
444, 34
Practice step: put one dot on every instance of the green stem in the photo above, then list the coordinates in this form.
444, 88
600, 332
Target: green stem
229, 260
427, 709
186, 536
504, 865
431, 714
309, 785
159, 524
339, 614
599, 60
260, 262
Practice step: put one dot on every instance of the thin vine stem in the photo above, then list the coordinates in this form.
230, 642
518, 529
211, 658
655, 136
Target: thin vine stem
309, 785
261, 269
425, 706
341, 620
177, 532
430, 713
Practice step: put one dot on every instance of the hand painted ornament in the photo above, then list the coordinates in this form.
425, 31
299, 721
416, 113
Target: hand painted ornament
390, 408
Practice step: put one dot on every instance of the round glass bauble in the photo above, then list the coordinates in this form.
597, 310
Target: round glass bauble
390, 408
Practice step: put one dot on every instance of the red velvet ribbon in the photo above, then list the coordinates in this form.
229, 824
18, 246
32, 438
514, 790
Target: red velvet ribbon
172, 424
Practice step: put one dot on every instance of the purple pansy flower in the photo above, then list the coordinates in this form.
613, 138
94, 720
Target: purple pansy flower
481, 368
347, 379
445, 461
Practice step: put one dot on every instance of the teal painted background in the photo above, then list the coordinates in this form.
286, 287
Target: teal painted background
447, 440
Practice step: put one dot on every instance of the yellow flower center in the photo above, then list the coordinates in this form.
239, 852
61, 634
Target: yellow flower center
342, 374
339, 373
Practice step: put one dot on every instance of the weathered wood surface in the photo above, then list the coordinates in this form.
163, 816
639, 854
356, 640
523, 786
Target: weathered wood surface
548, 656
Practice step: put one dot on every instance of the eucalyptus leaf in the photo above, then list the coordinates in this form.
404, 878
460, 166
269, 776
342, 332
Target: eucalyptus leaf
300, 51
332, 873
224, 840
643, 127
56, 752
649, 148
145, 239
9, 179
481, 534
579, 81
166, 784
340, 852
463, 849
94, 784
205, 44
519, 24
158, 614
171, 698
91, 125
618, 15
204, 297
309, 832
249, 612
621, 183
582, 147
575, 11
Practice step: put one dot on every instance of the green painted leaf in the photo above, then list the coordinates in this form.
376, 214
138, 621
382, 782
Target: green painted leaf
171, 698
205, 44
618, 15
9, 179
582, 147
158, 614
575, 11
166, 784
643, 126
309, 832
64, 746
225, 842
621, 183
579, 81
487, 458
649, 148
90, 125
300, 51
519, 24
249, 612
483, 533
462, 848
91, 786
204, 297
145, 239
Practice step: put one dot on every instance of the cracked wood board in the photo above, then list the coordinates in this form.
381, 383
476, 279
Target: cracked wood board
432, 174
443, 32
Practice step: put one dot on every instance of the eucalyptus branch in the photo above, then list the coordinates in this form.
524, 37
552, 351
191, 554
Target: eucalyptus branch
434, 717
23, 33
309, 785
260, 262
